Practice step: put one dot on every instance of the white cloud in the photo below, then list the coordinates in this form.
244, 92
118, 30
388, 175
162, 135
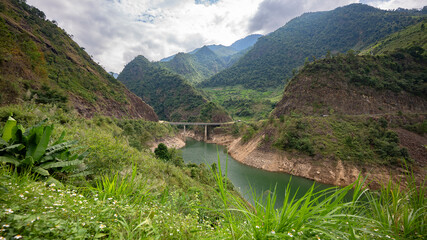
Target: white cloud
115, 31
273, 14
395, 4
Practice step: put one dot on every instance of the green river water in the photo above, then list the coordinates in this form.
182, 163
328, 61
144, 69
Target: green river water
245, 177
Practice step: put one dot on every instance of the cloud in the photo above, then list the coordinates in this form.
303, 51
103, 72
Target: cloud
395, 4
273, 14
116, 31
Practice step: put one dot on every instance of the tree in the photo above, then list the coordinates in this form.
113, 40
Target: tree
162, 152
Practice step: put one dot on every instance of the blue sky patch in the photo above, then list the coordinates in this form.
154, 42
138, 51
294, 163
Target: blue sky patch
206, 2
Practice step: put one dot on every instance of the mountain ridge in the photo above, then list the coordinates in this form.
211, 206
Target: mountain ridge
272, 59
171, 96
40, 62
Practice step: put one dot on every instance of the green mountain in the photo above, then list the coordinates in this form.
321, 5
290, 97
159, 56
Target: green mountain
196, 66
272, 59
351, 84
246, 42
40, 62
202, 63
170, 95
415, 35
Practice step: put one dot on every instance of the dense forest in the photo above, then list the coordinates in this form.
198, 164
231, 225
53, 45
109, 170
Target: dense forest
171, 96
274, 57
204, 62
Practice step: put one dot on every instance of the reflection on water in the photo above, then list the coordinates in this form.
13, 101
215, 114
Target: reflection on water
244, 177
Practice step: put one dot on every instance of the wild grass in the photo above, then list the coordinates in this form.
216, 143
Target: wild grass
136, 196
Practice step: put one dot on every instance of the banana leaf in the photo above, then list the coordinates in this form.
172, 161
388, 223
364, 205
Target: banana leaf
7, 130
60, 147
41, 171
61, 164
6, 159
40, 150
18, 147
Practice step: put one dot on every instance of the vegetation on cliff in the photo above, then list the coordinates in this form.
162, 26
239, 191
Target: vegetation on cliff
40, 62
351, 84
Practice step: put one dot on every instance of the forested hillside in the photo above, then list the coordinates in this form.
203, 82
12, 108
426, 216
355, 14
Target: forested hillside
202, 63
40, 62
414, 35
197, 66
170, 95
274, 57
351, 84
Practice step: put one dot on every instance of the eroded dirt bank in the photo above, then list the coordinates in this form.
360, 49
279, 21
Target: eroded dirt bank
177, 142
327, 171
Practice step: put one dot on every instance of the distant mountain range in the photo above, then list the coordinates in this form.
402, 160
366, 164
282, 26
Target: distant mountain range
273, 58
204, 62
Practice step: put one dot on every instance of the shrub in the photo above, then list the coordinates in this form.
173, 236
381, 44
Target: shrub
29, 150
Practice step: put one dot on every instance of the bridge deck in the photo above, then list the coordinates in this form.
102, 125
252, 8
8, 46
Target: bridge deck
199, 124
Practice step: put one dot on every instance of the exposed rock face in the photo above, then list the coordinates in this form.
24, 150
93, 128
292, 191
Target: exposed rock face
324, 94
327, 171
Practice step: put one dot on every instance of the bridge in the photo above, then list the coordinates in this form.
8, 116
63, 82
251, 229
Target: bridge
198, 124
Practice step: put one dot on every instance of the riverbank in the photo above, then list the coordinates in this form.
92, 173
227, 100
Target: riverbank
326, 171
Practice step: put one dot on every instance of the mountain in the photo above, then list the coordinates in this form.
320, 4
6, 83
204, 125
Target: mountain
272, 59
170, 95
202, 63
196, 66
352, 85
246, 42
40, 62
414, 35
115, 75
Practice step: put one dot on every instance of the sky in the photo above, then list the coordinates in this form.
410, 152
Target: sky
116, 31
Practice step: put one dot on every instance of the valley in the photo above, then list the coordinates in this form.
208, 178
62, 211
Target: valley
337, 99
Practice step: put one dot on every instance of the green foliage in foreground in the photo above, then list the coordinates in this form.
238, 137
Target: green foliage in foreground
29, 150
135, 196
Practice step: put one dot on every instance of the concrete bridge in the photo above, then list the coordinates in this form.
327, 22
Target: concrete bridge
198, 124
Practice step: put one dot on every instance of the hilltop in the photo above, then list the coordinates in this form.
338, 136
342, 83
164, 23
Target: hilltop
204, 62
171, 96
350, 84
272, 59
40, 62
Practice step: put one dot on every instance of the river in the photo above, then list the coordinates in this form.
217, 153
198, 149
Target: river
244, 177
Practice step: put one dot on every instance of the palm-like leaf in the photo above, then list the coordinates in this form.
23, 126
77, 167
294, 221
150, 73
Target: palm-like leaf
61, 164
6, 159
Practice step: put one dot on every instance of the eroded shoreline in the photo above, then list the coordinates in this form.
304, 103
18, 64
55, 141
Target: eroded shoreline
326, 171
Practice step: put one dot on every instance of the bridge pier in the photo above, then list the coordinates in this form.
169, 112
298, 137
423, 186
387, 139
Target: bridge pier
199, 124
206, 133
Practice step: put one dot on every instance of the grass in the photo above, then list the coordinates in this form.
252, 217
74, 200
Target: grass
245, 104
135, 196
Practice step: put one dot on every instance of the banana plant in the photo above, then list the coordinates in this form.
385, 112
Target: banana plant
29, 149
